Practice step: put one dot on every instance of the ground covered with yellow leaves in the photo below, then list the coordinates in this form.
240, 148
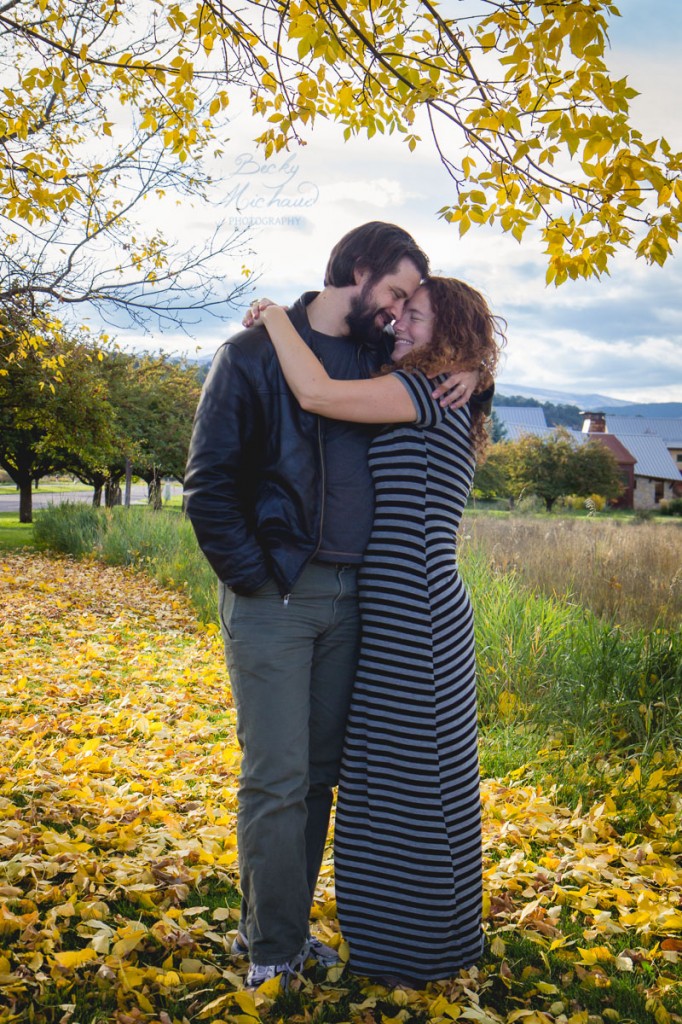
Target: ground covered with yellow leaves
118, 866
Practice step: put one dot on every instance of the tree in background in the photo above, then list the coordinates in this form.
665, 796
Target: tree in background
514, 98
594, 470
491, 479
110, 408
43, 428
163, 394
151, 401
557, 415
554, 465
105, 471
497, 429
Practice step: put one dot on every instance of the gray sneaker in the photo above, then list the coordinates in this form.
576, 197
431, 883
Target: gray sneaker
240, 946
257, 974
324, 955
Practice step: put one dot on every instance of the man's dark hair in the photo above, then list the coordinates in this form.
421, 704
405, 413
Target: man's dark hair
376, 247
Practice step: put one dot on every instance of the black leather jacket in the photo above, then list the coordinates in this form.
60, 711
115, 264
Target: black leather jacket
254, 479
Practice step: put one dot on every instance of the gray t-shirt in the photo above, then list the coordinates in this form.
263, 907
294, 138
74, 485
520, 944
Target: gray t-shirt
348, 488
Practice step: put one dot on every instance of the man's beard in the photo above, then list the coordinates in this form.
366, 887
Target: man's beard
361, 319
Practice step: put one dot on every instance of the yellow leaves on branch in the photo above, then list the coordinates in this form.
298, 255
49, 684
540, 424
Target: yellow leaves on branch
518, 96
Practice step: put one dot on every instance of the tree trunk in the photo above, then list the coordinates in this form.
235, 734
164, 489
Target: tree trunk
154, 492
25, 501
97, 496
112, 493
129, 483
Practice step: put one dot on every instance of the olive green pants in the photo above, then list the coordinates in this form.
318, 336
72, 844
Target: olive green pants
291, 666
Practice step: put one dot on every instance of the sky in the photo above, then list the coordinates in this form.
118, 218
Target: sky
620, 336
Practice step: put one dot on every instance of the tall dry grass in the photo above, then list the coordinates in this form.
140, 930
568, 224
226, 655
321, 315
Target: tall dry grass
624, 571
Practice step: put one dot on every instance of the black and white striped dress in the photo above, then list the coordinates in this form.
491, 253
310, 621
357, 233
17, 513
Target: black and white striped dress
408, 823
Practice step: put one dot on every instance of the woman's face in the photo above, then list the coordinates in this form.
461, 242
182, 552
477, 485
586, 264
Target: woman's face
414, 328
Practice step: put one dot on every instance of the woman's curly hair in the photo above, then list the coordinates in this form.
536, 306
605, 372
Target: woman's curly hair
466, 335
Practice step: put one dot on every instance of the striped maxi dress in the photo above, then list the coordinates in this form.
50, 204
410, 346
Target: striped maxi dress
408, 822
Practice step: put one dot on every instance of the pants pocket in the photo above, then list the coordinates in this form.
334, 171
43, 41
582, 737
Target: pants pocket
225, 609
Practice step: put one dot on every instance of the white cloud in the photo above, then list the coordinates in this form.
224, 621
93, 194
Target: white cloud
379, 193
620, 335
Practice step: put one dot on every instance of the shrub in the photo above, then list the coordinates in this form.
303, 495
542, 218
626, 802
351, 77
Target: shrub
578, 503
671, 507
71, 528
643, 515
598, 502
529, 504
164, 544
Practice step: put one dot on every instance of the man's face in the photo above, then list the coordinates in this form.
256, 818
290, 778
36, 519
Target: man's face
379, 303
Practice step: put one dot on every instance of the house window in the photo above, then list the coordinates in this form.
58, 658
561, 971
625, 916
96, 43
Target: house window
659, 491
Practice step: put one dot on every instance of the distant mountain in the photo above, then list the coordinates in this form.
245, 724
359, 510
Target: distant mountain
653, 410
592, 402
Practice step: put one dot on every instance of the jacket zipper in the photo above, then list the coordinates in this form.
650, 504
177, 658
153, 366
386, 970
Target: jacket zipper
323, 479
323, 476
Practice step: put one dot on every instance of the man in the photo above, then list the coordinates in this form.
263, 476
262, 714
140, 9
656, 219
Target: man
281, 503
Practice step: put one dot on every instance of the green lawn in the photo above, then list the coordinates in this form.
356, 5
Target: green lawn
624, 515
56, 486
14, 534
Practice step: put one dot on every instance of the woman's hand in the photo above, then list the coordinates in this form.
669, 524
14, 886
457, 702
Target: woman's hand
253, 314
457, 389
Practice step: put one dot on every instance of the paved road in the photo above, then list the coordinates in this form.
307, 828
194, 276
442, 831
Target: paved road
44, 496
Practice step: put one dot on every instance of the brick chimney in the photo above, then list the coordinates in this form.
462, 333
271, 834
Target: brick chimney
594, 422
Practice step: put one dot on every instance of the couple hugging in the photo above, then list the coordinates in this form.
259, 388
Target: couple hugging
330, 463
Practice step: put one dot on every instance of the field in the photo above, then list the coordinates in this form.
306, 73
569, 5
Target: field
117, 800
625, 570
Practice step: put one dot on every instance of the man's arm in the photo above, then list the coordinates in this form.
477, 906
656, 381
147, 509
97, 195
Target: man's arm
462, 387
218, 485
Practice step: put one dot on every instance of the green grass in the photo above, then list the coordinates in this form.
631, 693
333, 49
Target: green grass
552, 666
47, 484
14, 534
612, 515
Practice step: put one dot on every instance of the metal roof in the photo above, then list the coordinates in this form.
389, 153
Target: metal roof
653, 458
518, 430
667, 428
521, 415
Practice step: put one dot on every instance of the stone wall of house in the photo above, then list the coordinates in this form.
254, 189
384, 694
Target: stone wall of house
645, 492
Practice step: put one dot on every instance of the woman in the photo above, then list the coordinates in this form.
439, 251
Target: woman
408, 831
